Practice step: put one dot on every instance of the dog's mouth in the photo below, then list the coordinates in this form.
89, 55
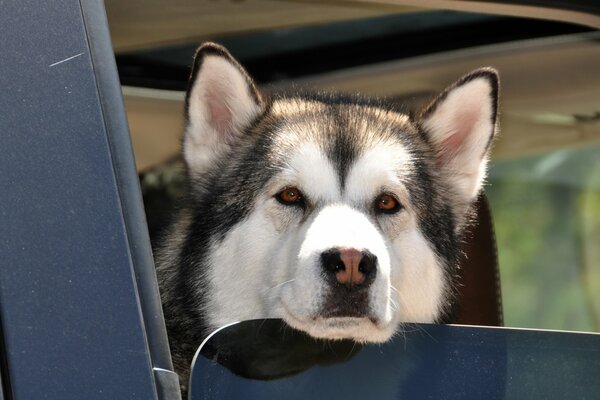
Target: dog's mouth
341, 313
341, 324
354, 304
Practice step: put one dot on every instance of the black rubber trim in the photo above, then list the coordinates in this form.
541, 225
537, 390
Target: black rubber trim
167, 384
113, 110
492, 233
6, 392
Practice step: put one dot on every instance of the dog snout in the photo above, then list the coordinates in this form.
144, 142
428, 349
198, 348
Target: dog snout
351, 267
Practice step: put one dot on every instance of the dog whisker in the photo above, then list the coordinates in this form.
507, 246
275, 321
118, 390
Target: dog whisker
394, 304
351, 351
281, 284
400, 297
417, 328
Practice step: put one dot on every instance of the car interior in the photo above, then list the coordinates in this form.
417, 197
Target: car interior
544, 160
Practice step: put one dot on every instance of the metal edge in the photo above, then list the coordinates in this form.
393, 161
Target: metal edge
199, 350
128, 186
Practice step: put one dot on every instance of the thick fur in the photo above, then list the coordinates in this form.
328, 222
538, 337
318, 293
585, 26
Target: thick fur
236, 252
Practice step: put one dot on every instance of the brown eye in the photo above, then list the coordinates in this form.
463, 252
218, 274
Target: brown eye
290, 196
388, 204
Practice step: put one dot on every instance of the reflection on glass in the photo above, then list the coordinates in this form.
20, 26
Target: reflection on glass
265, 359
270, 349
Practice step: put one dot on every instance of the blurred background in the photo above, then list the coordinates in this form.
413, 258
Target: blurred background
544, 184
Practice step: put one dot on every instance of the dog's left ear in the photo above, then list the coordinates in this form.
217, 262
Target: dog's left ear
460, 126
222, 101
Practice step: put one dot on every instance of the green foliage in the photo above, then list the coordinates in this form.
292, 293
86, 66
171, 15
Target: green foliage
547, 218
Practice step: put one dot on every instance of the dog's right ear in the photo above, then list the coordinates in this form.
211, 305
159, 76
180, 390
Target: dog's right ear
222, 101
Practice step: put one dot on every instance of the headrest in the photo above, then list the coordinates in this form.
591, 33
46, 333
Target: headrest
479, 295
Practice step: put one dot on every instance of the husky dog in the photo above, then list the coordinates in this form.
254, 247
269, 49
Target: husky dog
338, 214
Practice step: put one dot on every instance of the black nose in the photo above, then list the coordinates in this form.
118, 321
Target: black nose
350, 266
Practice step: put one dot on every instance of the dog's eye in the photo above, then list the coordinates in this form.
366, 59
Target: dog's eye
387, 204
290, 196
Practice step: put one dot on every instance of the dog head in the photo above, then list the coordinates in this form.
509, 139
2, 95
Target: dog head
337, 213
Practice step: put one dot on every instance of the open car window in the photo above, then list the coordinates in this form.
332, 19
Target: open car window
544, 179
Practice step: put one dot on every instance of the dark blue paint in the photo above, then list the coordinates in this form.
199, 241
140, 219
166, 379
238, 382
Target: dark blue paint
69, 306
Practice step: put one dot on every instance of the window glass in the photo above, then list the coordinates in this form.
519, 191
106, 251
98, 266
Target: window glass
547, 218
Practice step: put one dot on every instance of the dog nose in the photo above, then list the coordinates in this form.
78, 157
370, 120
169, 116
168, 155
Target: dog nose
350, 266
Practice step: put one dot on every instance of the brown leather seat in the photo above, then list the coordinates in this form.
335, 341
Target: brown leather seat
479, 299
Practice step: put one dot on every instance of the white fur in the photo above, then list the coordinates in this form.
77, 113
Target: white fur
309, 169
220, 107
237, 277
417, 277
269, 265
380, 169
418, 280
337, 226
255, 258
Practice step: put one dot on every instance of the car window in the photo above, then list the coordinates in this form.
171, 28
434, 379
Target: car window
544, 183
252, 360
547, 219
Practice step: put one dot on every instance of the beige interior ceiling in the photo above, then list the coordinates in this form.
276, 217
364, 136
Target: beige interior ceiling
155, 123
545, 82
137, 25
